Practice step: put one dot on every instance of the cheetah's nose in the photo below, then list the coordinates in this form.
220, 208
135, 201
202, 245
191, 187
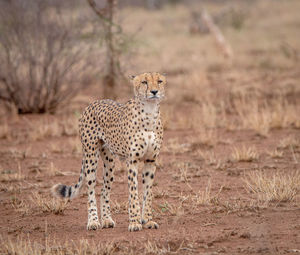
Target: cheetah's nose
154, 92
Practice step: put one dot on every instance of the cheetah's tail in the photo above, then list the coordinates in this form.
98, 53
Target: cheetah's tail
68, 192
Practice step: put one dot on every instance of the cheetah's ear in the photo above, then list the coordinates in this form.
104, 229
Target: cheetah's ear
131, 77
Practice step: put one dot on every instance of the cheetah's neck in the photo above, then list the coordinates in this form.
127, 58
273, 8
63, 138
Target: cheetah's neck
151, 108
149, 114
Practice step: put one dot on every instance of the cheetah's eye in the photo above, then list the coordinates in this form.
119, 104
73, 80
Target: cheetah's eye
145, 82
159, 81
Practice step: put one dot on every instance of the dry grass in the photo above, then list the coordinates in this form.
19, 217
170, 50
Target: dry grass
11, 188
244, 154
52, 128
47, 204
174, 146
20, 205
237, 206
278, 187
24, 246
154, 248
254, 118
208, 137
209, 157
36, 203
275, 153
119, 208
206, 197
43, 129
11, 176
56, 148
76, 146
171, 209
21, 154
52, 170
290, 141
50, 247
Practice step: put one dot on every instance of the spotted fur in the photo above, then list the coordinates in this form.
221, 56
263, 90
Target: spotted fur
132, 131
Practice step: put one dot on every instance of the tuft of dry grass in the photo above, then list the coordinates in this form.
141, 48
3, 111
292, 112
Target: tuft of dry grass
209, 157
119, 208
172, 209
46, 204
206, 197
244, 154
275, 153
279, 187
20, 205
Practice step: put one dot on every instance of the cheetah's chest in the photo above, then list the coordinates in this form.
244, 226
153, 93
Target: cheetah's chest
150, 144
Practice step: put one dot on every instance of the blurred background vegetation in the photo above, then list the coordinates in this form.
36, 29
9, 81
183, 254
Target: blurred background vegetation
51, 50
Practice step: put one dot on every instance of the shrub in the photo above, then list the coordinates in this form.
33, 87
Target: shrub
45, 58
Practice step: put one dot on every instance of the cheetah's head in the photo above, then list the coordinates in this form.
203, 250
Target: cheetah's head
149, 86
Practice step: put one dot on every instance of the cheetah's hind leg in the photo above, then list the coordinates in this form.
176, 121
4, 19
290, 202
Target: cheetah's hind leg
108, 178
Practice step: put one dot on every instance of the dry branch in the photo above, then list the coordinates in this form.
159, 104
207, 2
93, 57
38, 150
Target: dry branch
220, 39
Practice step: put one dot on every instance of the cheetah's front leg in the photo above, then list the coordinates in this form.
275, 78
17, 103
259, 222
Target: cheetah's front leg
134, 205
148, 178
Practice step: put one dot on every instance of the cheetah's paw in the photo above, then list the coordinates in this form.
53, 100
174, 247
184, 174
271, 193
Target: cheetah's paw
134, 227
151, 224
108, 223
93, 225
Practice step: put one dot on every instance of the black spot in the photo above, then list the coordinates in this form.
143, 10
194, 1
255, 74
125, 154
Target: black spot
152, 176
147, 173
70, 191
149, 160
63, 191
137, 154
90, 182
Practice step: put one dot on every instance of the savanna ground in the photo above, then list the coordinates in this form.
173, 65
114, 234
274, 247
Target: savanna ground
228, 178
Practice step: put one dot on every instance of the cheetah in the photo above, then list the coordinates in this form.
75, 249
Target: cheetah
133, 131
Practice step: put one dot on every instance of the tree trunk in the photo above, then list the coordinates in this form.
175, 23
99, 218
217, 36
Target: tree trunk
112, 58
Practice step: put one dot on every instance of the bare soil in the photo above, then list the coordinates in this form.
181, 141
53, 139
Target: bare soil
214, 105
230, 225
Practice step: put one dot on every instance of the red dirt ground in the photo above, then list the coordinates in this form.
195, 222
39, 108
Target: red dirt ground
230, 225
